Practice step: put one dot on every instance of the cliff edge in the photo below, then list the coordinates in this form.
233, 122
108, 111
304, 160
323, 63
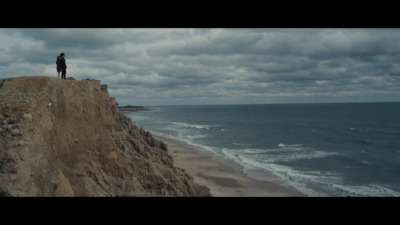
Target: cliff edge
68, 138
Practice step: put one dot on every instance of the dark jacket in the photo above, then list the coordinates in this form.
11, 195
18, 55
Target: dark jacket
63, 64
58, 64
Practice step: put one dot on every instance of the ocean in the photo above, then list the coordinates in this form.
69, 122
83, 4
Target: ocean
332, 149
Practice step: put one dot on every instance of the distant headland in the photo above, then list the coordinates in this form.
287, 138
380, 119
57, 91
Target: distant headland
132, 108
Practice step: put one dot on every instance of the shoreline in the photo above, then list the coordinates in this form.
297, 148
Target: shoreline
222, 180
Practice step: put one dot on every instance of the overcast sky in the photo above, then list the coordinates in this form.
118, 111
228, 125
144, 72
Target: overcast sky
215, 66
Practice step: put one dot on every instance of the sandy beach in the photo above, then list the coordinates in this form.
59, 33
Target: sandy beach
222, 180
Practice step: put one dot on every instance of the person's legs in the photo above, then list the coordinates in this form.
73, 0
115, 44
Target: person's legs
64, 71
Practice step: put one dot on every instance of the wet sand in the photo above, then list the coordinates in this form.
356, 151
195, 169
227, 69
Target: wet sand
222, 180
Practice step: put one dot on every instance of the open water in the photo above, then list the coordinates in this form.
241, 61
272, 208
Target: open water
335, 149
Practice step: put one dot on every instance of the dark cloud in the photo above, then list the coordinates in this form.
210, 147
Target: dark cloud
216, 66
76, 38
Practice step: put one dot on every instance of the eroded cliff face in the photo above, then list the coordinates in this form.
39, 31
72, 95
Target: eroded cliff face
68, 138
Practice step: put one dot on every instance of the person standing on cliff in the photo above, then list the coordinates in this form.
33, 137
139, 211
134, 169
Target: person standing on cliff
63, 66
58, 65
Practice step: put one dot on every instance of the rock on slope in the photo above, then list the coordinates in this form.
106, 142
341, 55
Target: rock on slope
68, 138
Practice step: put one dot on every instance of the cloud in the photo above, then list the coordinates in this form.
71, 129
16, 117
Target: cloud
215, 66
76, 38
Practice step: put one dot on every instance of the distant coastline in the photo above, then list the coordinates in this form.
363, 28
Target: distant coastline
132, 108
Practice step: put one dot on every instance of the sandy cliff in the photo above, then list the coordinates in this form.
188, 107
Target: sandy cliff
68, 138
